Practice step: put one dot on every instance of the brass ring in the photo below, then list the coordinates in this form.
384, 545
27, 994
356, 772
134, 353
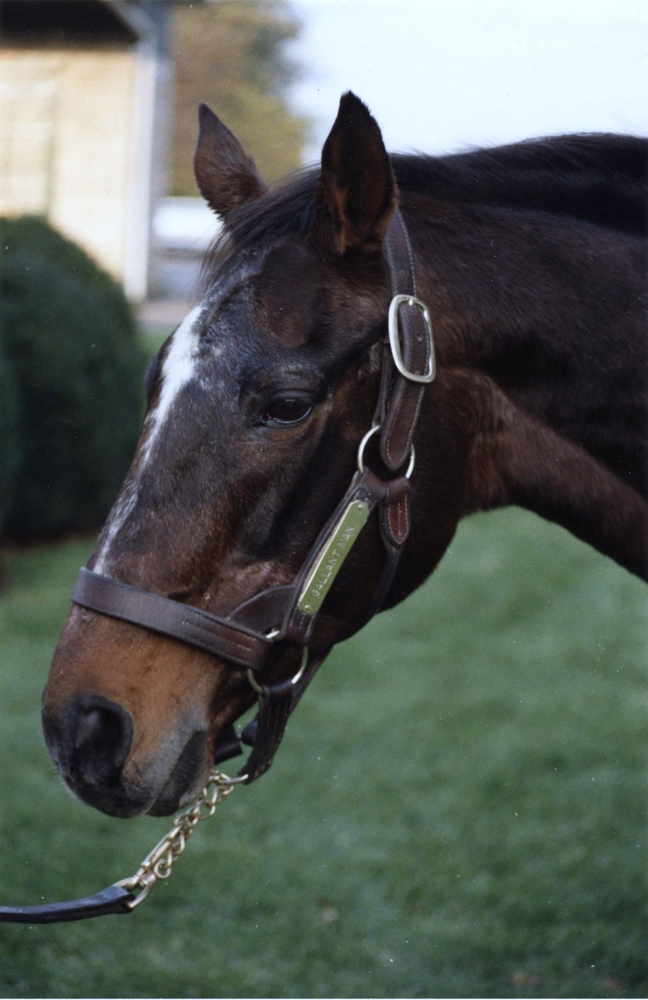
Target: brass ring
253, 682
361, 446
302, 667
412, 461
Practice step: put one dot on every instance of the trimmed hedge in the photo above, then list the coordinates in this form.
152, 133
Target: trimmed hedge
70, 337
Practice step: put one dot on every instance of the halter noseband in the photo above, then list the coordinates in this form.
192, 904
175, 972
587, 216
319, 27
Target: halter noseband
287, 615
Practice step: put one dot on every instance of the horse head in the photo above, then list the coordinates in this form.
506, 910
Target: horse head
256, 407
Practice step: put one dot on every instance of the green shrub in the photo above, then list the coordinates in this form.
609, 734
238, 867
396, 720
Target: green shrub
70, 337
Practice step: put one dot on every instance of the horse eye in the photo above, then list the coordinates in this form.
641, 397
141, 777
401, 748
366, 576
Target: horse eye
288, 409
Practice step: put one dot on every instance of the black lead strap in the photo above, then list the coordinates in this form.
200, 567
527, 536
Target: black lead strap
114, 899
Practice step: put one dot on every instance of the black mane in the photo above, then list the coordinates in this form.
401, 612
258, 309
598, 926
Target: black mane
602, 179
599, 178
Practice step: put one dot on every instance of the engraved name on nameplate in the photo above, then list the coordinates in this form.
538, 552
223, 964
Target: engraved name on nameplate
323, 573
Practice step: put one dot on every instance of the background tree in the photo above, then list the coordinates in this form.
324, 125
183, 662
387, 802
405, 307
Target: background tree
232, 56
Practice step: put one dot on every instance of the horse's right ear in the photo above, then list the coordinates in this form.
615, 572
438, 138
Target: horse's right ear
226, 176
356, 194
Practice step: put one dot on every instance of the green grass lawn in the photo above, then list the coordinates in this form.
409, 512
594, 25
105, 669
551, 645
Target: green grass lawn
458, 809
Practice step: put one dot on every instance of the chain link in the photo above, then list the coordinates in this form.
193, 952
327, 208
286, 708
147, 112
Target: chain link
159, 863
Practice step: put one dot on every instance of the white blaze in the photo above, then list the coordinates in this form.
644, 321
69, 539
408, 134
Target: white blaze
177, 371
119, 513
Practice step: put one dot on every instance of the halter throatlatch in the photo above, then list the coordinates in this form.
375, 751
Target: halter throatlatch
283, 617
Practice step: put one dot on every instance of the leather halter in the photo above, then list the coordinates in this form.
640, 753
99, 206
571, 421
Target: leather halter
279, 620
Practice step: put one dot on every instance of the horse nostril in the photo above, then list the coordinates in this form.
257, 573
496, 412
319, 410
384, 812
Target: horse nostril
103, 737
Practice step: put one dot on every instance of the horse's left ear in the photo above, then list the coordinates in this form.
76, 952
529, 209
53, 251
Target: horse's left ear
226, 175
356, 195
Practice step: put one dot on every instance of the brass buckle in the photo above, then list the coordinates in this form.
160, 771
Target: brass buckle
395, 343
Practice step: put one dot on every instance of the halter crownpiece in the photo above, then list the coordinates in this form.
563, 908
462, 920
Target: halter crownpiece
285, 615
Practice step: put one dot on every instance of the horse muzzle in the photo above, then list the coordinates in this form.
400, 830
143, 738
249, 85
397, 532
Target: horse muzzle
90, 741
128, 716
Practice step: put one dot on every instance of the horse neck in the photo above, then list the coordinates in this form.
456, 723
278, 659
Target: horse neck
541, 349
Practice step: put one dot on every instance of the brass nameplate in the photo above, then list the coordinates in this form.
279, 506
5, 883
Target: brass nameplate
319, 580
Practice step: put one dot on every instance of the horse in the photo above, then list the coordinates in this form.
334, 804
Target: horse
524, 270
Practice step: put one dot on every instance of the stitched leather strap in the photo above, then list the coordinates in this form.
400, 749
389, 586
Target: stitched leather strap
250, 733
278, 701
400, 398
275, 706
114, 899
234, 643
368, 489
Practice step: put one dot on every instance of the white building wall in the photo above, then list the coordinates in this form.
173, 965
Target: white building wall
76, 144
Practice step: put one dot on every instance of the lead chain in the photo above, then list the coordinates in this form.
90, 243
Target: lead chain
158, 864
